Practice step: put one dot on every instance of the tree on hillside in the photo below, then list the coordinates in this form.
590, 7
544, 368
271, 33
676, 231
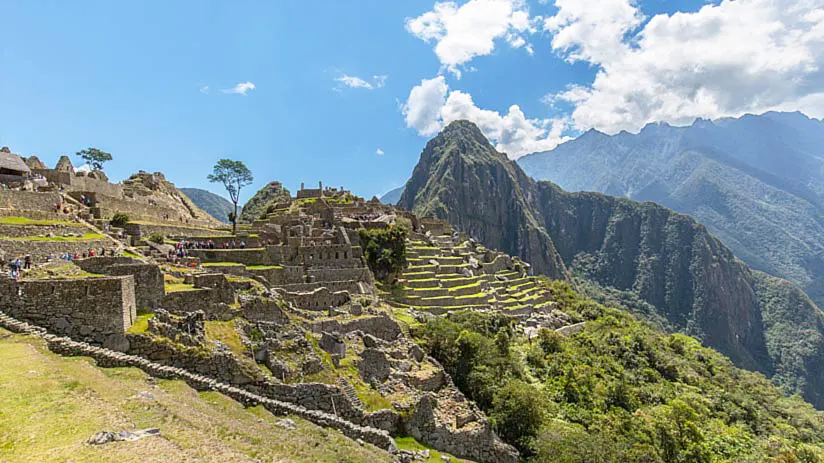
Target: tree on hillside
95, 157
234, 175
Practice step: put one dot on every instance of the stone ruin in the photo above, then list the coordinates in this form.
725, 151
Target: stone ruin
303, 305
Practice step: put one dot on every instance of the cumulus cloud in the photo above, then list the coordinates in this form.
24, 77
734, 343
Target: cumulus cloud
431, 105
461, 33
379, 152
377, 81
240, 89
725, 59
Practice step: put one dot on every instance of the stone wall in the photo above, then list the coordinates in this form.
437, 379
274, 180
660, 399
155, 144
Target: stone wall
349, 285
73, 182
148, 279
41, 250
381, 327
320, 298
109, 358
27, 200
93, 309
339, 274
257, 256
331, 255
166, 229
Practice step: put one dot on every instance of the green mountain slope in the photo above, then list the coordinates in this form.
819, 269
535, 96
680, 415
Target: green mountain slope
266, 197
217, 206
641, 251
757, 183
619, 391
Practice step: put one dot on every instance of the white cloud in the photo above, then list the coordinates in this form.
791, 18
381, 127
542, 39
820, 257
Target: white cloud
240, 89
379, 152
431, 106
462, 33
723, 60
346, 80
204, 89
422, 109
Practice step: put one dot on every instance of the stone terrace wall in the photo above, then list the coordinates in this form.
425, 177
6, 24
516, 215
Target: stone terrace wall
380, 327
148, 229
41, 250
93, 309
257, 256
148, 279
143, 211
320, 298
28, 200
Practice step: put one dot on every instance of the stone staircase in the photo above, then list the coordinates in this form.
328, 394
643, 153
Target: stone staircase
349, 391
110, 358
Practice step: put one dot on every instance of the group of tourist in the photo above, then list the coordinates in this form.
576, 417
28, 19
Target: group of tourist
70, 256
211, 245
18, 264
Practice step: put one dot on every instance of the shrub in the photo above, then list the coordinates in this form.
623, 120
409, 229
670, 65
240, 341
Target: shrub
119, 220
156, 238
517, 414
385, 251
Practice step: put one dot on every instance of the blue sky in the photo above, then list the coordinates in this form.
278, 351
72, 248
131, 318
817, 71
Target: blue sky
151, 81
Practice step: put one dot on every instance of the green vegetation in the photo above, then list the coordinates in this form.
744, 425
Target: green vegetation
234, 175
28, 221
214, 205
177, 287
263, 267
263, 202
620, 391
227, 333
385, 251
95, 157
221, 264
59, 239
141, 324
157, 238
50, 405
409, 443
119, 219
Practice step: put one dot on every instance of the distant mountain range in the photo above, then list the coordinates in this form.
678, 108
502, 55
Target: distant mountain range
217, 206
392, 196
661, 264
756, 182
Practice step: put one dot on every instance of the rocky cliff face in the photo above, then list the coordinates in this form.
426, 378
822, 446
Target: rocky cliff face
461, 178
667, 259
756, 182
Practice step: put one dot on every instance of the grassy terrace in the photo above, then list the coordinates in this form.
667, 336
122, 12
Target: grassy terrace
51, 405
222, 264
27, 221
141, 324
58, 239
178, 287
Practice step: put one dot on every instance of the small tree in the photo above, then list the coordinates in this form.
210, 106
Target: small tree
95, 157
234, 175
